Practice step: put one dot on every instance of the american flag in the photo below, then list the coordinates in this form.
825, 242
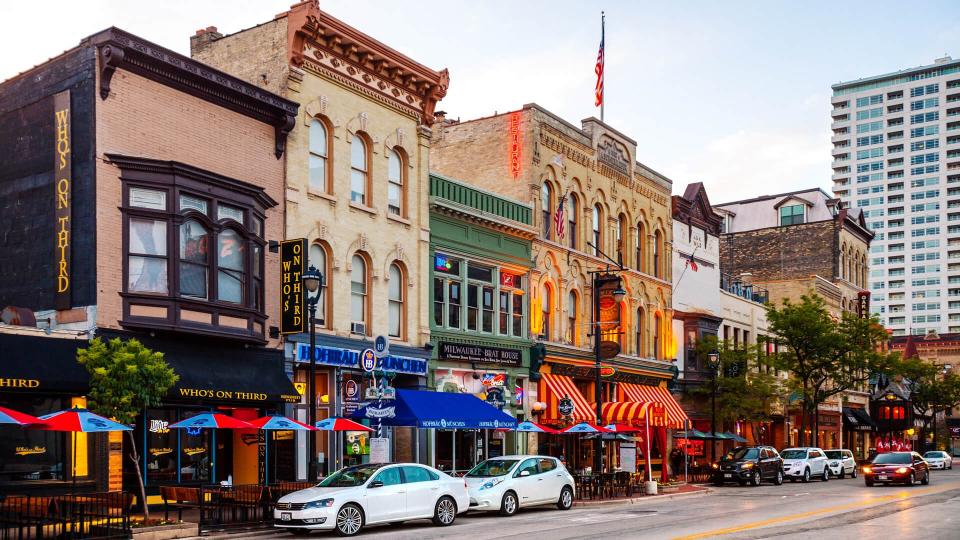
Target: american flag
598, 92
558, 216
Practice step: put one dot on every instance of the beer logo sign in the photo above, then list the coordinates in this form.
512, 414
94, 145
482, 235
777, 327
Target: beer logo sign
566, 406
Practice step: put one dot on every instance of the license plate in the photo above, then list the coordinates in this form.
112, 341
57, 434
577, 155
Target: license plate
881, 477
728, 475
286, 516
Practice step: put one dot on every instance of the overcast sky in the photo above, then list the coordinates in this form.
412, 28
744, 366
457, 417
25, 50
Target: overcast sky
734, 94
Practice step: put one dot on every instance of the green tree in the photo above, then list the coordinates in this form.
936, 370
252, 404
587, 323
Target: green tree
825, 356
126, 378
931, 390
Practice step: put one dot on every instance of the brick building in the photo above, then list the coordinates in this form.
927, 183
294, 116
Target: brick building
613, 206
795, 244
141, 191
356, 188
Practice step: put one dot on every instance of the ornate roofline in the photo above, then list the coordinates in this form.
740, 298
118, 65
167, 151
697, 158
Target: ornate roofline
363, 60
119, 49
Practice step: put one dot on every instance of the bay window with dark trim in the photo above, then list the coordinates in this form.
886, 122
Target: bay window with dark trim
492, 302
193, 250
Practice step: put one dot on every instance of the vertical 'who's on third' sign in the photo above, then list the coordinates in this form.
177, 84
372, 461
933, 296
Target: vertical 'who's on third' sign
292, 262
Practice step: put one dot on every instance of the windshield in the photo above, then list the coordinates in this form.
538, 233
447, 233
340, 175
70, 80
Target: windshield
493, 467
794, 454
899, 458
834, 454
741, 453
933, 455
350, 476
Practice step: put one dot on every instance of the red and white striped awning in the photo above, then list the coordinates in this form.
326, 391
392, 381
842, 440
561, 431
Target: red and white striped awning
675, 415
632, 413
553, 388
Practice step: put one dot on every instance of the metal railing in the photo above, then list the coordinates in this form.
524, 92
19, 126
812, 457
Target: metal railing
743, 289
90, 515
220, 508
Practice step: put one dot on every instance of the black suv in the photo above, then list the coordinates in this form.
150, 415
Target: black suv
752, 464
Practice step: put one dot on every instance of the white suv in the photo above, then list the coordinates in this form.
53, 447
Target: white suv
804, 464
507, 483
842, 463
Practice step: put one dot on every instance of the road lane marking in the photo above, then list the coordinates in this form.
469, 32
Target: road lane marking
830, 509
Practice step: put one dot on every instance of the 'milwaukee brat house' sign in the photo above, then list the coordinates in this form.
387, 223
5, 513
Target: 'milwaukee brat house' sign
476, 353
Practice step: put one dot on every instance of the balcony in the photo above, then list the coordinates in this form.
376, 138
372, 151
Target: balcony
839, 176
841, 150
742, 289
839, 123
837, 137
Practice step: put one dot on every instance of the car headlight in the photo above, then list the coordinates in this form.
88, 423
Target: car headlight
902, 470
491, 484
867, 469
715, 466
747, 465
834, 463
322, 503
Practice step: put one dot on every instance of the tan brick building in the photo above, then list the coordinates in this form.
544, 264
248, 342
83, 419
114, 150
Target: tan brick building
356, 185
611, 201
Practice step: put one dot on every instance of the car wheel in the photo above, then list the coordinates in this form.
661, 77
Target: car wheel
912, 480
842, 473
508, 506
926, 479
349, 520
950, 468
853, 473
868, 482
806, 475
565, 502
826, 474
299, 531
778, 480
756, 480
445, 512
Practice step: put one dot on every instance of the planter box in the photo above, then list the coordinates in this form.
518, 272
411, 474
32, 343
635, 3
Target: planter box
166, 532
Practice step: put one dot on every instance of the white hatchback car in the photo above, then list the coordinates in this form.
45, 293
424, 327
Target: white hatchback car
938, 459
842, 463
804, 464
506, 483
373, 493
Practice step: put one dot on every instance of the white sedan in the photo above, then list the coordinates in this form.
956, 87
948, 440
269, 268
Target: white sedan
373, 493
938, 459
509, 482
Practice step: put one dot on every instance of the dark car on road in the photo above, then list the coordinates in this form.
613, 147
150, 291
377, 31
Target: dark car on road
752, 464
897, 467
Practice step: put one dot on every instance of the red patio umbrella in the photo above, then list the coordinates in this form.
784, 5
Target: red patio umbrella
621, 428
10, 416
335, 423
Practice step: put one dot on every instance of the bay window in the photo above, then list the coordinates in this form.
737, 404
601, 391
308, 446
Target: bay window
493, 302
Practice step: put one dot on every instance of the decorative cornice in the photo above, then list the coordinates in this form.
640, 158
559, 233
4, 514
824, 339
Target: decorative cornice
119, 49
515, 228
356, 57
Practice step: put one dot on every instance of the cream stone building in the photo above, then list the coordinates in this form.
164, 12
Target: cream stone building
611, 201
356, 184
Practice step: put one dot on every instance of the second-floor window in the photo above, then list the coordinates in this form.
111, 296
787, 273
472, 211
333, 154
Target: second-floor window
359, 171
395, 187
574, 208
546, 202
597, 235
477, 297
319, 152
358, 294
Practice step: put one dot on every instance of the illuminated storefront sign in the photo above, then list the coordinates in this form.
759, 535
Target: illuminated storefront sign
221, 394
19, 383
159, 426
477, 353
62, 181
333, 356
292, 261
515, 144
30, 450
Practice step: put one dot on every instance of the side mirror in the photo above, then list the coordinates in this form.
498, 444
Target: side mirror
524, 473
375, 484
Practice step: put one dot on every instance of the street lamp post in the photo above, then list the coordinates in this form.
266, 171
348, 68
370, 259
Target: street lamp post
713, 362
599, 280
312, 279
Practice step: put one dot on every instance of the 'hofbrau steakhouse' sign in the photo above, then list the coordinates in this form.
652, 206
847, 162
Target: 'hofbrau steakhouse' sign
62, 166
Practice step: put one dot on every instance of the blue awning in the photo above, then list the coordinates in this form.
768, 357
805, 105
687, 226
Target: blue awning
439, 410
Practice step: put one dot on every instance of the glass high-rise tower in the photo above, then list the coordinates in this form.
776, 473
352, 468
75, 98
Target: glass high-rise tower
896, 156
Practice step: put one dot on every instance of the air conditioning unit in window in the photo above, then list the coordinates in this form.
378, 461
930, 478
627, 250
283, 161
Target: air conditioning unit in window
358, 328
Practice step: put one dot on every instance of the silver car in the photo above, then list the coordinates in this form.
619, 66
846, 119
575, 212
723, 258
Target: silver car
841, 463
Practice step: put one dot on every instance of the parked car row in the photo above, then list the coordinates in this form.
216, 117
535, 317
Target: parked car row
368, 494
755, 464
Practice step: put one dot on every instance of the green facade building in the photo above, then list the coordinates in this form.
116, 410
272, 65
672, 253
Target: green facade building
480, 249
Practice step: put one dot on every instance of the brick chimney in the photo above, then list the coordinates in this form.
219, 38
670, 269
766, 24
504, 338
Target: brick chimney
203, 38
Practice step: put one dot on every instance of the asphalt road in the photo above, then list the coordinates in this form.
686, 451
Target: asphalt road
818, 510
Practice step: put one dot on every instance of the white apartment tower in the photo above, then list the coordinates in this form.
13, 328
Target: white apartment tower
896, 156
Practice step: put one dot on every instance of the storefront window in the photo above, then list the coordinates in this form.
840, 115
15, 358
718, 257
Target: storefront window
33, 454
195, 450
161, 450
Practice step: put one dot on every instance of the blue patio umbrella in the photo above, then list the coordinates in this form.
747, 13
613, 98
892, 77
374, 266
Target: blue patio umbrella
584, 427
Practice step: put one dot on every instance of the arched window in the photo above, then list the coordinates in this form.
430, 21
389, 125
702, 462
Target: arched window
318, 259
640, 331
358, 294
396, 176
657, 253
194, 259
597, 234
656, 336
230, 267
573, 311
546, 203
843, 250
863, 271
359, 171
572, 215
639, 246
319, 152
622, 235
397, 306
546, 300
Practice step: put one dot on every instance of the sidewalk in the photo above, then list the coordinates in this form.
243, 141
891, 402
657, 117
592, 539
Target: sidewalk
686, 490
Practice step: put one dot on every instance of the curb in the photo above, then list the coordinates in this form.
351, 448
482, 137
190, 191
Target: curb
645, 499
253, 533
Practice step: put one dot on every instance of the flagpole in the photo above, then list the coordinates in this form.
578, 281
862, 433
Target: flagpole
603, 74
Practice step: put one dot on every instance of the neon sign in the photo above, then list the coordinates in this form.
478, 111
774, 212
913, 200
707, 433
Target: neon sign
442, 263
515, 145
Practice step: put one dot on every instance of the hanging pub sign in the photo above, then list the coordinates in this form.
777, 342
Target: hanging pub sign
292, 301
478, 353
863, 304
62, 166
566, 406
